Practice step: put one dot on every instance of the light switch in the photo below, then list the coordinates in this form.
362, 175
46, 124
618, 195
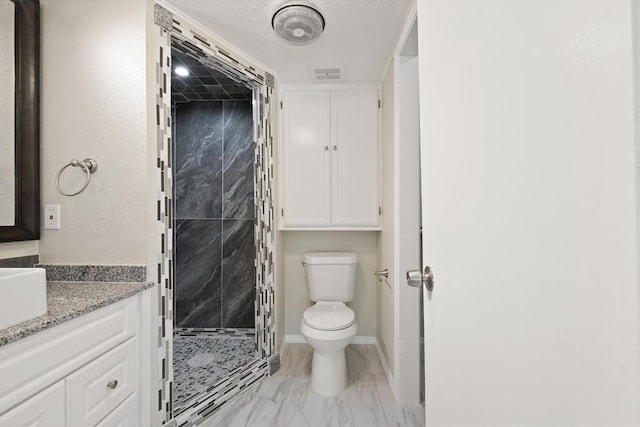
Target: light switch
52, 217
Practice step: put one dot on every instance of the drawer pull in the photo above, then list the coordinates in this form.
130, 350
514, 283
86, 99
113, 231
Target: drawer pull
112, 384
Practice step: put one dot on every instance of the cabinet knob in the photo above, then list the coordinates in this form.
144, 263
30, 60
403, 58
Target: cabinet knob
326, 148
112, 384
335, 148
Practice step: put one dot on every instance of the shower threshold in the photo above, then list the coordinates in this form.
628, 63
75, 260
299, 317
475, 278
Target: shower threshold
203, 356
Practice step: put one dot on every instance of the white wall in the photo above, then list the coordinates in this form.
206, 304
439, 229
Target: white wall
385, 248
296, 243
527, 112
93, 104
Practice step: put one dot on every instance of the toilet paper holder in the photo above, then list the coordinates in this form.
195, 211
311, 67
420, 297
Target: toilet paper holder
382, 273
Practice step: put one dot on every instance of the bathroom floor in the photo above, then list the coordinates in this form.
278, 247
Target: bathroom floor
200, 357
286, 399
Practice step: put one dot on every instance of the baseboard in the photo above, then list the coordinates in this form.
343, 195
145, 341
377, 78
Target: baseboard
299, 339
387, 370
364, 340
294, 339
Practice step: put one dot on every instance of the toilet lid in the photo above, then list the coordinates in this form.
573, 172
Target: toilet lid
329, 316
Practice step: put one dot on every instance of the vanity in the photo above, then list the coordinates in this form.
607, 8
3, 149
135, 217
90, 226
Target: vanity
84, 363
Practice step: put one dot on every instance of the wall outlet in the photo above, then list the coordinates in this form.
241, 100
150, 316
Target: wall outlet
52, 217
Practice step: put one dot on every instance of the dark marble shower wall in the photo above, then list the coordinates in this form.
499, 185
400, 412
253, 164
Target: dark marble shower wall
214, 215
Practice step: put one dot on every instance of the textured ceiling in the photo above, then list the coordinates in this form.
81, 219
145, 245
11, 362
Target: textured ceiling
359, 36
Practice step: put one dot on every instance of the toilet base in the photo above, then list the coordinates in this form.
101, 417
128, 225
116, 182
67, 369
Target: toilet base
328, 373
329, 363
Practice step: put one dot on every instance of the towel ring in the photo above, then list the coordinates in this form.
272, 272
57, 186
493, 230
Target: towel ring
89, 166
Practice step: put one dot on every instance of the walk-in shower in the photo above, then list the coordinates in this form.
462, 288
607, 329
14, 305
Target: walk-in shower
214, 222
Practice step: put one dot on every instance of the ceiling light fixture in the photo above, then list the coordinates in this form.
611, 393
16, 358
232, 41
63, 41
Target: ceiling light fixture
181, 71
298, 24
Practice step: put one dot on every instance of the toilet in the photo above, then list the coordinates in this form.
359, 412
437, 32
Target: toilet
329, 325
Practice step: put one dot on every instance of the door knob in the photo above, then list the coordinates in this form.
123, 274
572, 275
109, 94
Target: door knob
415, 278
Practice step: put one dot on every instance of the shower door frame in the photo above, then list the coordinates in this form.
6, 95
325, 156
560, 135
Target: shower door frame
170, 24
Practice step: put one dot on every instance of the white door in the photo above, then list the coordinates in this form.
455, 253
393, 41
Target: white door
529, 217
409, 375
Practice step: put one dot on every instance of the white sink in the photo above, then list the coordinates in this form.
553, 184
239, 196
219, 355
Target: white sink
23, 295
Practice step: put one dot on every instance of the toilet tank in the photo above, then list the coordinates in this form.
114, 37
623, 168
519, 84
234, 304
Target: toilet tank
331, 276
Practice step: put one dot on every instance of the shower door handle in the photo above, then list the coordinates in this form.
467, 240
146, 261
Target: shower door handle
415, 278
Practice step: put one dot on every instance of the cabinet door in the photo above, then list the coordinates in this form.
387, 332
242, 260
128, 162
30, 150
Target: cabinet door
355, 157
306, 158
45, 409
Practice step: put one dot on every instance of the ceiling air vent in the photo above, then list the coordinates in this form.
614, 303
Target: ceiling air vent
326, 74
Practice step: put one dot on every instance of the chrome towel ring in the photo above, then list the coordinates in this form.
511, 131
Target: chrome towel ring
89, 166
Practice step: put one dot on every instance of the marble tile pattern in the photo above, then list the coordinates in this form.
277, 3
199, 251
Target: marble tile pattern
214, 224
200, 360
286, 398
95, 273
68, 300
198, 160
238, 281
20, 262
198, 272
215, 396
238, 200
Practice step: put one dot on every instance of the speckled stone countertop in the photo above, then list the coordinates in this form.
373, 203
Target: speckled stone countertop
68, 300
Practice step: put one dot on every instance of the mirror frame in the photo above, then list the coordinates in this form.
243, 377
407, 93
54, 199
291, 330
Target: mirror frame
27, 122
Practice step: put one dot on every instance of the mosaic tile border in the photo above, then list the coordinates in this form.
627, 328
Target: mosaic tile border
226, 332
94, 273
209, 51
221, 392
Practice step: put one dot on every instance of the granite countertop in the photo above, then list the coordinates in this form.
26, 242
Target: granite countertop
68, 300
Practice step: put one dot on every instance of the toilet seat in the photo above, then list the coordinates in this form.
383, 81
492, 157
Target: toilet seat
329, 316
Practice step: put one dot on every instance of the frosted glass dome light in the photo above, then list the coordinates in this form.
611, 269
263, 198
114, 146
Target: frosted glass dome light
298, 24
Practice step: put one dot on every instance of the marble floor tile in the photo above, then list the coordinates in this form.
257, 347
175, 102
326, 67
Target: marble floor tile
286, 399
202, 359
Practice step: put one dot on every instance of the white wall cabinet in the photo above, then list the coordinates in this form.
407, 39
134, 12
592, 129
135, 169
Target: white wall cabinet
330, 159
84, 372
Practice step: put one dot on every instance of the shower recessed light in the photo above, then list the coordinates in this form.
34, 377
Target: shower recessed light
181, 71
298, 24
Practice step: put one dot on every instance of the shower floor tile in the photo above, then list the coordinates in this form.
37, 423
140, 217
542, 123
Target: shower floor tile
201, 359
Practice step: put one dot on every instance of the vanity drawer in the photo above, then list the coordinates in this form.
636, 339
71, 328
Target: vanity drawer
36, 362
98, 388
45, 409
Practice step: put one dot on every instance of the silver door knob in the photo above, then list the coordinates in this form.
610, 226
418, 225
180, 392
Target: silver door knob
415, 278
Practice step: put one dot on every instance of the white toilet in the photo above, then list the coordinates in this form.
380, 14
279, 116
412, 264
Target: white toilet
329, 325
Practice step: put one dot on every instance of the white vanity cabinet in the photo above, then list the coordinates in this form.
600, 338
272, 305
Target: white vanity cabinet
85, 372
330, 159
